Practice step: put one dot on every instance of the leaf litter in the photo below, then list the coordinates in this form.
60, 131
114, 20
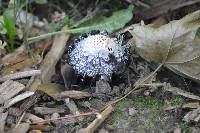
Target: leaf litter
174, 44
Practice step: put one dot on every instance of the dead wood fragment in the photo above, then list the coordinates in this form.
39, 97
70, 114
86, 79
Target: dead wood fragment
3, 117
193, 105
9, 89
177, 91
71, 105
55, 53
18, 98
33, 118
46, 110
20, 75
22, 128
97, 122
48, 65
24, 106
177, 130
72, 94
192, 116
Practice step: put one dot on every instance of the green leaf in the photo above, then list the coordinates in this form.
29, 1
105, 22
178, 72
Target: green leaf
110, 24
9, 24
173, 44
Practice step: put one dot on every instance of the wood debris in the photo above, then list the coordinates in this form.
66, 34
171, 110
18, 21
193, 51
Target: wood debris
20, 75
72, 94
177, 91
48, 65
192, 116
98, 121
18, 98
21, 128
46, 110
9, 89
3, 117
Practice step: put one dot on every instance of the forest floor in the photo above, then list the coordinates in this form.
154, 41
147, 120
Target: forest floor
142, 99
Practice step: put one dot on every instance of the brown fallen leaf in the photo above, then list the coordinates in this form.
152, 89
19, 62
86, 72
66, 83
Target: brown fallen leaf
172, 44
17, 61
51, 88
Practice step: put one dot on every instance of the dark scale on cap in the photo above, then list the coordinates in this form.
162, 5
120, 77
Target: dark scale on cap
96, 54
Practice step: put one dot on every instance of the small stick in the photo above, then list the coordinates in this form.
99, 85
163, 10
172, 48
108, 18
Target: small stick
21, 118
20, 75
138, 84
97, 122
66, 117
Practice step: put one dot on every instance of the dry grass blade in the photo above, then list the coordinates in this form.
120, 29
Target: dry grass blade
66, 117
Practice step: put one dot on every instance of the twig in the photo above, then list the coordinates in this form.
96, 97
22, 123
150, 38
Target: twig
48, 65
97, 122
21, 118
137, 85
20, 75
67, 117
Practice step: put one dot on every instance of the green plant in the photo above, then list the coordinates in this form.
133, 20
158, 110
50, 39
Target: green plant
176, 100
9, 24
147, 102
120, 108
110, 24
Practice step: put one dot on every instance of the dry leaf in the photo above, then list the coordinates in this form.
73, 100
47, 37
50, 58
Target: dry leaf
51, 88
173, 44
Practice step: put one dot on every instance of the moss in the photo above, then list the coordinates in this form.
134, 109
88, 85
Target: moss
120, 108
146, 102
185, 126
176, 100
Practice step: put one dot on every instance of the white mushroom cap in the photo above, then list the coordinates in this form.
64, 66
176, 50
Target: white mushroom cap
98, 55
